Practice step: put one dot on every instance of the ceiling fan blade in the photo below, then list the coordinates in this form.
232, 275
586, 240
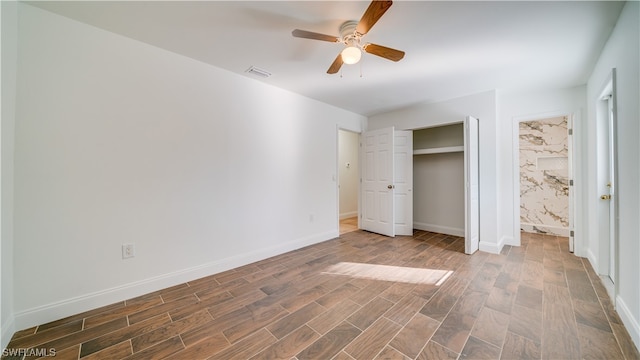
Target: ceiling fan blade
335, 67
373, 13
315, 36
383, 51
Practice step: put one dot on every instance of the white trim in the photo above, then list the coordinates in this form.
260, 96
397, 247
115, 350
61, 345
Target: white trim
515, 162
336, 177
507, 240
439, 150
491, 247
628, 320
8, 329
608, 95
349, 214
67, 307
439, 229
593, 260
608, 285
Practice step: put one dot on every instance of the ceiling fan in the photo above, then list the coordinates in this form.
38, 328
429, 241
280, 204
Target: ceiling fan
351, 34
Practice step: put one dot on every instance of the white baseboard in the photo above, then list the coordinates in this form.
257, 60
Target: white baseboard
593, 261
8, 329
630, 323
67, 307
509, 240
349, 214
490, 247
438, 229
609, 286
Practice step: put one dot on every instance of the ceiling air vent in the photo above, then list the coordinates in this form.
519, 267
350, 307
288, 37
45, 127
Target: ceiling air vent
258, 72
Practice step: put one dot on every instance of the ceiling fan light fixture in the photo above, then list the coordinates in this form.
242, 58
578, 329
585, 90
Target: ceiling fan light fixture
351, 33
351, 55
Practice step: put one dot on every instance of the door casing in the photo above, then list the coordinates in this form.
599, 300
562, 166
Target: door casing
471, 186
607, 184
516, 172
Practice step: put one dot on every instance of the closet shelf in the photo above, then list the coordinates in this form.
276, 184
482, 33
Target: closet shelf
440, 150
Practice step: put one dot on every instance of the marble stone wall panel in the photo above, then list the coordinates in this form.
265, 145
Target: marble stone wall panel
544, 176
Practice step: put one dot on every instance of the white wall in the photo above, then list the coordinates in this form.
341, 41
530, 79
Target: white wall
621, 52
438, 193
121, 142
481, 106
8, 18
348, 153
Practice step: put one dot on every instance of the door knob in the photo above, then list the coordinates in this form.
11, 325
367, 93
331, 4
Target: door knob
390, 186
605, 197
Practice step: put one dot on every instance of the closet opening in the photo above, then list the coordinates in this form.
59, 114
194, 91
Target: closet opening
439, 184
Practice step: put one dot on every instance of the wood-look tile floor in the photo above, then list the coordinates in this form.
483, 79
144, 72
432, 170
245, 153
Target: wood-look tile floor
348, 225
536, 301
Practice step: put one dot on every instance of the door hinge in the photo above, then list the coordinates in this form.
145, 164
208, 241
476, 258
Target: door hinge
571, 233
570, 131
570, 182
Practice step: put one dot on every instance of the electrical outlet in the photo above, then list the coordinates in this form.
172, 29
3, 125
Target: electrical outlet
128, 251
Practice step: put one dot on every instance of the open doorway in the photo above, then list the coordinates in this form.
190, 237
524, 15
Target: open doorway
545, 181
348, 180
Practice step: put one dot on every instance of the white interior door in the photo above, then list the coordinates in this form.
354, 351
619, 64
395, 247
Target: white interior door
606, 185
377, 181
471, 190
613, 198
403, 182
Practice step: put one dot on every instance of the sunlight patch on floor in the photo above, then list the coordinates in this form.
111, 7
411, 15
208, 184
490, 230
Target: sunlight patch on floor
390, 273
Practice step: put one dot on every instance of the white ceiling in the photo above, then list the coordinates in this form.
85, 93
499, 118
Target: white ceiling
452, 48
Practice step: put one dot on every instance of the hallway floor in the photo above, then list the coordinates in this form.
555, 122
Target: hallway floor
348, 225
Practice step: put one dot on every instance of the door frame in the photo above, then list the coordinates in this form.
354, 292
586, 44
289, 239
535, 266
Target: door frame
464, 121
471, 156
403, 182
336, 176
608, 250
516, 171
